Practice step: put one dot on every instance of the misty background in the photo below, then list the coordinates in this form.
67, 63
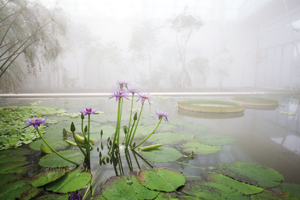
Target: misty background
167, 45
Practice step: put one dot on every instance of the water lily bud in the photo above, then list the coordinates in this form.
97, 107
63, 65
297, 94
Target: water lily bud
107, 159
85, 129
100, 155
110, 143
125, 129
65, 133
101, 133
82, 116
73, 127
135, 116
98, 149
102, 146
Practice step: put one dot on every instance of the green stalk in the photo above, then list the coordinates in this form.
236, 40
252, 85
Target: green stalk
147, 148
88, 142
148, 135
54, 150
136, 124
120, 116
116, 133
78, 144
130, 117
128, 138
83, 133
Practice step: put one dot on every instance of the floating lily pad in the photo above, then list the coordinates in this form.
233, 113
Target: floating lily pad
55, 142
271, 194
166, 196
161, 179
14, 167
252, 174
9, 158
16, 152
18, 189
117, 188
214, 139
141, 191
291, 188
53, 160
166, 138
198, 148
4, 178
99, 197
53, 197
162, 154
48, 176
240, 186
210, 190
179, 122
72, 181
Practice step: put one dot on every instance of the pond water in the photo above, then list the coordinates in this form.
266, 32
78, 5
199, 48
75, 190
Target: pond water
263, 136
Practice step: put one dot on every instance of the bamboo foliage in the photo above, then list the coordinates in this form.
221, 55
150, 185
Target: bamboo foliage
29, 37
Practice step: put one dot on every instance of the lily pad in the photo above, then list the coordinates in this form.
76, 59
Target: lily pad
162, 154
53, 197
271, 194
197, 127
18, 189
240, 186
161, 179
210, 190
252, 174
53, 160
166, 138
16, 152
198, 148
166, 196
55, 142
117, 188
214, 139
72, 181
48, 176
291, 188
5, 159
4, 178
141, 191
14, 167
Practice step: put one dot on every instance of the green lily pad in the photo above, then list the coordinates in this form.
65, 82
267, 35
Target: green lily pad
198, 148
4, 178
48, 176
117, 188
16, 152
214, 139
53, 197
252, 174
14, 167
271, 194
55, 142
166, 196
240, 186
9, 158
166, 138
72, 181
53, 160
179, 122
294, 189
99, 197
141, 191
18, 189
162, 154
161, 179
210, 190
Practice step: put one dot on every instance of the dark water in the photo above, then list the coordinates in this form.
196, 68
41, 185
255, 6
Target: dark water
263, 136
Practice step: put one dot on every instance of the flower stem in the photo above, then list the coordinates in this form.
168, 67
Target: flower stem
54, 150
130, 117
117, 128
88, 142
78, 144
82, 128
148, 135
136, 124
129, 135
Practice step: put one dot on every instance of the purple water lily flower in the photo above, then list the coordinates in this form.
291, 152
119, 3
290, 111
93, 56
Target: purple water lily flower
87, 111
144, 97
132, 91
35, 122
162, 115
123, 84
75, 196
119, 93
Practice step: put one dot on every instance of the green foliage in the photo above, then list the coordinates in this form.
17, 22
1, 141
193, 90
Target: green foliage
12, 122
72, 181
48, 176
199, 148
14, 167
161, 179
291, 188
161, 154
166, 138
214, 139
53, 197
252, 174
53, 160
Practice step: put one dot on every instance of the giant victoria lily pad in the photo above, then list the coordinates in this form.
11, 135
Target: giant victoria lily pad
162, 154
161, 179
53, 160
252, 174
72, 181
199, 148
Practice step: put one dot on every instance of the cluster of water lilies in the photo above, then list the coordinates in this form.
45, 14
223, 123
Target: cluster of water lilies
84, 141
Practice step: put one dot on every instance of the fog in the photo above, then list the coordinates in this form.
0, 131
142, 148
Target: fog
224, 45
